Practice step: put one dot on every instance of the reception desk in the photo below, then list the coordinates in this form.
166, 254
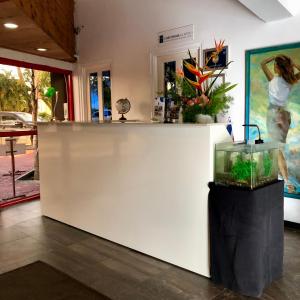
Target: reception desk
143, 186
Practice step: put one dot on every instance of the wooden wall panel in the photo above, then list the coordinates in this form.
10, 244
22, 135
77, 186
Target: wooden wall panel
55, 18
29, 35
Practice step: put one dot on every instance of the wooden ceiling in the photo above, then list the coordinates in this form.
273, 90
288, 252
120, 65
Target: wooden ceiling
42, 24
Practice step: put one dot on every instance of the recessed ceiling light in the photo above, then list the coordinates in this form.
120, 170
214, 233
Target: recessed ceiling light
11, 25
41, 49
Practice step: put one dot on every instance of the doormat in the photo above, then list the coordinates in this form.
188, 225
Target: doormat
39, 281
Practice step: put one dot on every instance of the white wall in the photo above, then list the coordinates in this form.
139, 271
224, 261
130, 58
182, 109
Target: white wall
125, 32
292, 5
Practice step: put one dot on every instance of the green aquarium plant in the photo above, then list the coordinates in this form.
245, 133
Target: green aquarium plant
242, 169
267, 162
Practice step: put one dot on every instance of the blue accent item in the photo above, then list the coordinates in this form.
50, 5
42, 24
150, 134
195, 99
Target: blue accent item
229, 128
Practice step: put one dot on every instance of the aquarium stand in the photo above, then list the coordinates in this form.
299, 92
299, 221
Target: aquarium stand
246, 237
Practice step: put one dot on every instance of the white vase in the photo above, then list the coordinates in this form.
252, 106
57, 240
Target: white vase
204, 119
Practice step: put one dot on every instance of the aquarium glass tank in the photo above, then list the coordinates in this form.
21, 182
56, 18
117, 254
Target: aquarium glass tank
244, 165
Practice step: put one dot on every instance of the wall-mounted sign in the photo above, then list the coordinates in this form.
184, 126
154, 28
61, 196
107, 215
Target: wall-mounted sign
185, 33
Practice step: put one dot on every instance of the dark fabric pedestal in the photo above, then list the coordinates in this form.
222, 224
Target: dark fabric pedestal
246, 237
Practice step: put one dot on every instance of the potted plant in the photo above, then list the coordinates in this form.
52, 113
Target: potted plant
203, 99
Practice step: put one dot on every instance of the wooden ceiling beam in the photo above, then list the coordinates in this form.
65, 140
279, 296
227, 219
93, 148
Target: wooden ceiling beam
45, 24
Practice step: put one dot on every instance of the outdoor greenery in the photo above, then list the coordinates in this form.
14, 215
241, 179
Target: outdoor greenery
12, 93
22, 94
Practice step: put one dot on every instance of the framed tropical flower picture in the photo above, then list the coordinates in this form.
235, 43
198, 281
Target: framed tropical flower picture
215, 60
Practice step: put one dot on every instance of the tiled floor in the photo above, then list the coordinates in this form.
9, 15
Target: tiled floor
116, 271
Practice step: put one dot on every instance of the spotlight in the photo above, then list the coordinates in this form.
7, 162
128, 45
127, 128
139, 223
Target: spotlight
11, 25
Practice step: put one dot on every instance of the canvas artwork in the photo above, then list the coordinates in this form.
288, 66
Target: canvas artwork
213, 60
273, 103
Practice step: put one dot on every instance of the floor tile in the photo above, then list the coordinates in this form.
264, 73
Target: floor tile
117, 271
9, 234
17, 250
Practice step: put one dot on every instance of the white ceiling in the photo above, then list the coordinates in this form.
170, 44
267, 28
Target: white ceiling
293, 6
272, 10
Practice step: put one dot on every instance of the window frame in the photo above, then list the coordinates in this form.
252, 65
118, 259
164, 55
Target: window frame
96, 69
67, 73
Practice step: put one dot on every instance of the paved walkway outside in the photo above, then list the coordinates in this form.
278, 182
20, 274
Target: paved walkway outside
24, 162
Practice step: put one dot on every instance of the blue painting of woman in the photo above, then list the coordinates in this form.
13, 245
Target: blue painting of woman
281, 81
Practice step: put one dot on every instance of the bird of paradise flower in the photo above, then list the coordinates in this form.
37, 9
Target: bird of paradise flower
205, 90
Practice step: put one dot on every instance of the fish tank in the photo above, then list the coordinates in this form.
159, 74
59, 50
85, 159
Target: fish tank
246, 165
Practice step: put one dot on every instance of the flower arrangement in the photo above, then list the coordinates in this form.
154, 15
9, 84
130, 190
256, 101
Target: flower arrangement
202, 96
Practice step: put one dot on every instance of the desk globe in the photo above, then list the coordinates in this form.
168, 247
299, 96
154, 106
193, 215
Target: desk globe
123, 107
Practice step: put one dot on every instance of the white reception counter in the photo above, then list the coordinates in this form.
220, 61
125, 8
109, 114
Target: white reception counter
143, 186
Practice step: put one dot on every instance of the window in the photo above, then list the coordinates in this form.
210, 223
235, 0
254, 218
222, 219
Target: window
94, 98
100, 95
106, 95
8, 118
169, 77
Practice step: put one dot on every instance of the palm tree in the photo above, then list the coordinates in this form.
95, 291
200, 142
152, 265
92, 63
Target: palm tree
37, 81
10, 93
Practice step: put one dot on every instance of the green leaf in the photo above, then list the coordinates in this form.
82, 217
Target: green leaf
213, 82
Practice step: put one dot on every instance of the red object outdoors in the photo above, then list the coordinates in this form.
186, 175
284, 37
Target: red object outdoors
16, 199
17, 133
